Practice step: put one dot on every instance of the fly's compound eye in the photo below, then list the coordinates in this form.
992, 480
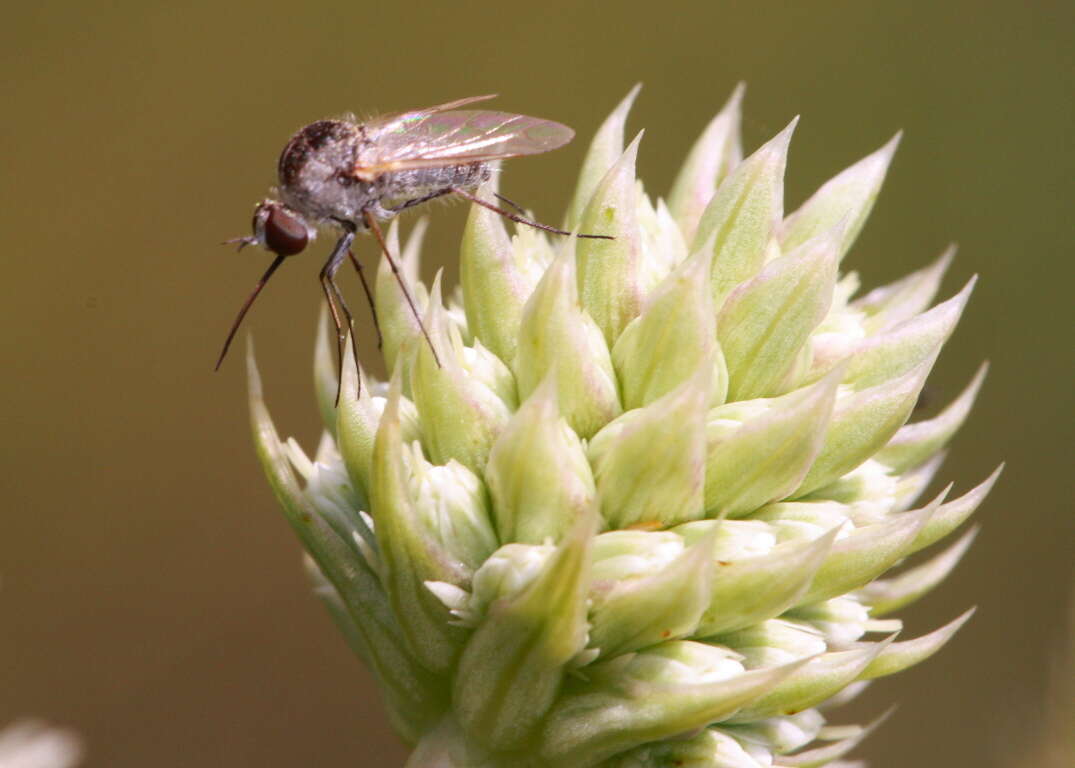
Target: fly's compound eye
285, 234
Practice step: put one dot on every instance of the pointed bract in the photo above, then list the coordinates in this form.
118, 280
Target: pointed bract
899, 656
610, 272
848, 195
357, 418
717, 152
915, 443
637, 613
410, 556
496, 283
555, 331
411, 693
951, 515
757, 588
663, 347
765, 322
816, 680
647, 474
398, 324
538, 476
905, 346
886, 595
862, 423
655, 694
514, 663
743, 215
606, 147
709, 748
892, 304
868, 552
461, 412
326, 381
758, 452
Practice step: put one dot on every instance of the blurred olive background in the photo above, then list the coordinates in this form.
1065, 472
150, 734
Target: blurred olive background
152, 595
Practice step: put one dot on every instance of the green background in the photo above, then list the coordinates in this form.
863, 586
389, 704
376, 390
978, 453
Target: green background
152, 596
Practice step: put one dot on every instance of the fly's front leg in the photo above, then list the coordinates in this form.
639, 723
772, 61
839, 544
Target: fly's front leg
336, 304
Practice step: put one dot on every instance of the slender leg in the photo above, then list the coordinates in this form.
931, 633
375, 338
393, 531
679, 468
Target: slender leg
246, 306
419, 200
374, 227
331, 283
332, 296
519, 219
369, 296
330, 299
509, 203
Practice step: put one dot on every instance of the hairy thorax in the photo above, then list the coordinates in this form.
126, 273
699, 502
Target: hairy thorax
315, 172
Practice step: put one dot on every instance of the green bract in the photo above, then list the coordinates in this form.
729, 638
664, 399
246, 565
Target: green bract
639, 513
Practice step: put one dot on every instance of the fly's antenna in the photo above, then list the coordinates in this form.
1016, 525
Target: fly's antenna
246, 306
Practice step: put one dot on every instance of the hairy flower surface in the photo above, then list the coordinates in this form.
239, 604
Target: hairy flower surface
640, 513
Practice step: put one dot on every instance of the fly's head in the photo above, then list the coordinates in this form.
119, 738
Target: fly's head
278, 229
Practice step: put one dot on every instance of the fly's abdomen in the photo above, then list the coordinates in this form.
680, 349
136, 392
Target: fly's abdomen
470, 176
401, 186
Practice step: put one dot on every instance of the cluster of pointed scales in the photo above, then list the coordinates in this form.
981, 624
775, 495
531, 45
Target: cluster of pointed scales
640, 513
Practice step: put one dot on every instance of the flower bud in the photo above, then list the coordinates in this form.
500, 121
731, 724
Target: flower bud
717, 153
847, 196
537, 473
743, 215
610, 273
605, 149
647, 473
555, 329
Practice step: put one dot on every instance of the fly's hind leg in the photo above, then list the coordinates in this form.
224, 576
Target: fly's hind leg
510, 203
371, 222
520, 219
416, 201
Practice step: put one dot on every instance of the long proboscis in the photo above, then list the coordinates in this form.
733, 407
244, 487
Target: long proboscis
246, 307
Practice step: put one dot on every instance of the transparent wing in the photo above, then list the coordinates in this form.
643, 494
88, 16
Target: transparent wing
411, 115
429, 139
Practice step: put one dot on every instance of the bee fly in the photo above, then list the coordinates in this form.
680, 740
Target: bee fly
348, 176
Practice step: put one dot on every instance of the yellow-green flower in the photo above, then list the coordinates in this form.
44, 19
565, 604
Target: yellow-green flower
641, 512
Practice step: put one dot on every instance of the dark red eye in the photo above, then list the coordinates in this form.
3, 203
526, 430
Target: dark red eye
285, 234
